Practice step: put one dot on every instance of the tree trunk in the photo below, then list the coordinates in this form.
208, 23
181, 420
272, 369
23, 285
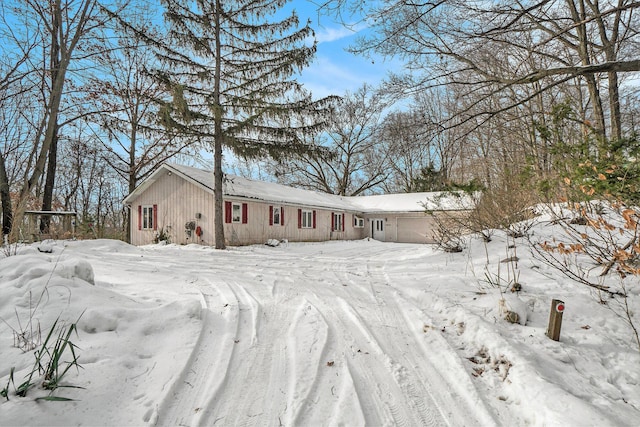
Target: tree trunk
218, 194
609, 37
579, 19
47, 197
5, 199
614, 105
218, 137
63, 45
133, 171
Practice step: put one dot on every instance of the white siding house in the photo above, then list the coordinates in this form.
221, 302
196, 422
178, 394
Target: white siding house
179, 201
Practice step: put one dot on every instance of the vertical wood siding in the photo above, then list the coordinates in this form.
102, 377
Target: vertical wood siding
178, 201
258, 229
409, 227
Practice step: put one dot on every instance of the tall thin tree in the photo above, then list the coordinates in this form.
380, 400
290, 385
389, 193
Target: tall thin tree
232, 66
66, 23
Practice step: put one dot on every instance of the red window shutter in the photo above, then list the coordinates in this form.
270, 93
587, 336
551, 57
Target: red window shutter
299, 218
270, 215
245, 213
282, 215
155, 217
139, 217
333, 221
343, 215
314, 219
227, 212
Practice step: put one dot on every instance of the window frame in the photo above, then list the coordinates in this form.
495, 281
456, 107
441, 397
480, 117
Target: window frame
277, 215
307, 219
338, 221
148, 216
358, 222
228, 212
235, 220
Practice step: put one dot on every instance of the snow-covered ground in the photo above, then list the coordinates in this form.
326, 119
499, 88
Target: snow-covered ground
335, 333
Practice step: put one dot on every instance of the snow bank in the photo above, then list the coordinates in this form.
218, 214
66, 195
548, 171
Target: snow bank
340, 333
128, 349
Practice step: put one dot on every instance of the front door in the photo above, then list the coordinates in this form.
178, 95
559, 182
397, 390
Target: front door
377, 229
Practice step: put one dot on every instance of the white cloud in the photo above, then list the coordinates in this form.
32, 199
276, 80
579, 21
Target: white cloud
327, 35
326, 76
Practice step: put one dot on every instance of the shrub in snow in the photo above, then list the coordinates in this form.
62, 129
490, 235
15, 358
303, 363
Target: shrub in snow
78, 268
513, 309
606, 240
162, 236
45, 247
272, 242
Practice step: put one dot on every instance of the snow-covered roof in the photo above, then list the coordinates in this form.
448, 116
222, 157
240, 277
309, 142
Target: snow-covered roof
413, 202
237, 186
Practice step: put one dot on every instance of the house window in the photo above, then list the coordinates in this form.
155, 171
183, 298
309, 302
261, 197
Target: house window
236, 212
358, 222
147, 217
338, 222
236, 215
307, 219
276, 215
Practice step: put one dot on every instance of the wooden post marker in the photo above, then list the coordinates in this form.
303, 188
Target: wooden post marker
555, 319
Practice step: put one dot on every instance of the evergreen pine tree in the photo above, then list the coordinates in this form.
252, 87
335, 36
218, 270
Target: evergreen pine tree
231, 66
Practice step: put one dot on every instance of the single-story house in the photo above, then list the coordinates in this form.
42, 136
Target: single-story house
179, 202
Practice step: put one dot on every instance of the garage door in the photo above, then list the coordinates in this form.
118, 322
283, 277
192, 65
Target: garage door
415, 230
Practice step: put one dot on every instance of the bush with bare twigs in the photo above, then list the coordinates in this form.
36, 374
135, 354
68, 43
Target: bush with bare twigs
599, 240
483, 212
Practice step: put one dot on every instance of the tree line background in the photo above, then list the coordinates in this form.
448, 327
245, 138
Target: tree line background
517, 98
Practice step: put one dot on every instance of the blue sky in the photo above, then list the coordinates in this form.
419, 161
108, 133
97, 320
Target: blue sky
335, 70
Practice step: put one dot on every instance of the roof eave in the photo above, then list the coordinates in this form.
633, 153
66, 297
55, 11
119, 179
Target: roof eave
143, 186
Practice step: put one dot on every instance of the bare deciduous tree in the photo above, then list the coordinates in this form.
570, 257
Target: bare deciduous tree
128, 100
58, 28
408, 142
488, 48
351, 159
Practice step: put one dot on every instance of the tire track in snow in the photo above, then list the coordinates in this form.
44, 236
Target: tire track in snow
327, 380
277, 377
406, 384
382, 398
406, 363
184, 403
254, 392
457, 408
347, 409
355, 347
455, 382
370, 370
307, 339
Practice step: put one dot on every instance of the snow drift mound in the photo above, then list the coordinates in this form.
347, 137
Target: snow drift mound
24, 268
133, 345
